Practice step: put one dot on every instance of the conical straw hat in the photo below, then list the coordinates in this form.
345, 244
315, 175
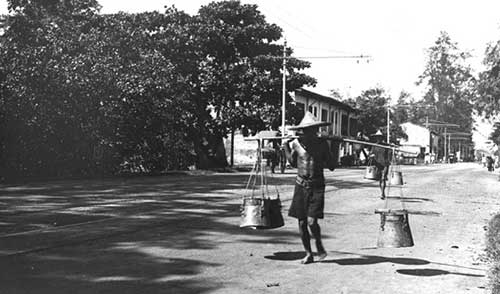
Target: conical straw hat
309, 121
378, 133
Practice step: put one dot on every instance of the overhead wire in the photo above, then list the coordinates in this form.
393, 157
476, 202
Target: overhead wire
308, 31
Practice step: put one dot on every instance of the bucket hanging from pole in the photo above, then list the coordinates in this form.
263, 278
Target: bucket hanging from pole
396, 176
372, 172
253, 214
394, 229
260, 211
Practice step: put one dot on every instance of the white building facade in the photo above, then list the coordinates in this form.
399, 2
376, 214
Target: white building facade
343, 118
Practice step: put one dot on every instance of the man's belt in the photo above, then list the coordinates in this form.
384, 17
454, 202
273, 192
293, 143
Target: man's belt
308, 182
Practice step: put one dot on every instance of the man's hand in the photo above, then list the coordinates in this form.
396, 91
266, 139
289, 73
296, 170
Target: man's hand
287, 141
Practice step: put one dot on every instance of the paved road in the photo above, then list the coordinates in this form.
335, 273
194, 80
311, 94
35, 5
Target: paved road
180, 234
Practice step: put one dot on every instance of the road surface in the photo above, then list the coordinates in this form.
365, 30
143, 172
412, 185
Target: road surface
180, 234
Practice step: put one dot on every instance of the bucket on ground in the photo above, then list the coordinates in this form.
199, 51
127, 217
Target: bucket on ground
394, 229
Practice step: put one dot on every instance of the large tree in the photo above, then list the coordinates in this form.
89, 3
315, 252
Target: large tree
449, 83
240, 77
488, 99
43, 125
87, 93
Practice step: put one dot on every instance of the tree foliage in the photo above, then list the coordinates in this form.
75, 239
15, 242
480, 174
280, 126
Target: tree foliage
495, 134
373, 105
408, 109
449, 83
488, 87
84, 93
241, 73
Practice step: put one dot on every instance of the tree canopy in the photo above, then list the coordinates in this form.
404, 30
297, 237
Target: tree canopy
450, 85
373, 105
488, 98
85, 93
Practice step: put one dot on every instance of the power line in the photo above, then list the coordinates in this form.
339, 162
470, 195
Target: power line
295, 18
334, 57
292, 26
322, 49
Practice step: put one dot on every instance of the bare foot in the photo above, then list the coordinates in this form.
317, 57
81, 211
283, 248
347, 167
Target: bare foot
321, 255
308, 259
382, 197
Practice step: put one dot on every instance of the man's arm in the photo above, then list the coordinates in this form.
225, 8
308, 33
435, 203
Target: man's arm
289, 153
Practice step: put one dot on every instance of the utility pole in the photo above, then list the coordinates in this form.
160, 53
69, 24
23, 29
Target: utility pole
388, 122
283, 98
445, 150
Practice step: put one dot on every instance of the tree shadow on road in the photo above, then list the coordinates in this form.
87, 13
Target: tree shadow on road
95, 271
145, 221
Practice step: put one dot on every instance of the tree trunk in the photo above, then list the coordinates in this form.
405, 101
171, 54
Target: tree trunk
210, 153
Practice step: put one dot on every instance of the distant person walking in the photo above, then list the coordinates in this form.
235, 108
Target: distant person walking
489, 163
310, 154
427, 158
381, 159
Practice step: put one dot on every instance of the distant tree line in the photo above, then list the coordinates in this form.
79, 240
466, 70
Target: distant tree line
450, 95
83, 93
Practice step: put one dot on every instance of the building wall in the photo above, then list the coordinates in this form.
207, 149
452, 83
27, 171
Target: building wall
324, 111
417, 136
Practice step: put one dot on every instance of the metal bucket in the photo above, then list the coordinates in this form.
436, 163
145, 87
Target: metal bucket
396, 178
272, 214
372, 173
252, 214
394, 229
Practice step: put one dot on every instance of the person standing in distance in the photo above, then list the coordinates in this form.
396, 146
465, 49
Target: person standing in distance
310, 154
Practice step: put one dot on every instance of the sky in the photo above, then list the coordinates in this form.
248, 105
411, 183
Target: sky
394, 33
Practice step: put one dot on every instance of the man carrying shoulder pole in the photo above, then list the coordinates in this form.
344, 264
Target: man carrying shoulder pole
382, 159
310, 154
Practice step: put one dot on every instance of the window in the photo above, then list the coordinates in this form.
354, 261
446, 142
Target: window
313, 110
331, 127
324, 114
324, 117
336, 123
353, 126
344, 125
